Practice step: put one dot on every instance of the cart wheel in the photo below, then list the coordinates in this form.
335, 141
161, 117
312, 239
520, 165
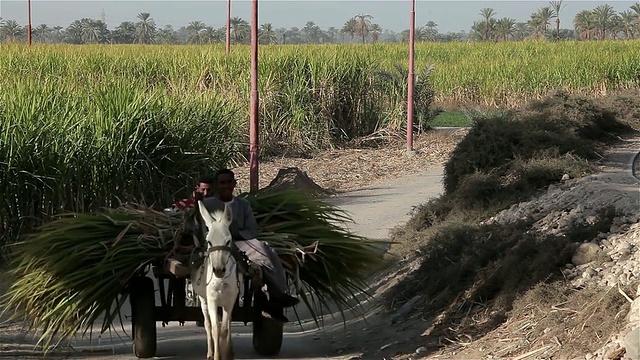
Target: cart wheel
267, 336
143, 305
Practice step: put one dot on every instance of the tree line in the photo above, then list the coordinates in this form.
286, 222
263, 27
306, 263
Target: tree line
600, 23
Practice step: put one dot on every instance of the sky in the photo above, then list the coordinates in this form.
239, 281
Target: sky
451, 16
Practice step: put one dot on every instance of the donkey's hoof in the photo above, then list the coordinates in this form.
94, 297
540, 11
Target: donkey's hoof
209, 357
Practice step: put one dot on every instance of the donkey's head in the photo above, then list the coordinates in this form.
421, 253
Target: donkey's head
218, 238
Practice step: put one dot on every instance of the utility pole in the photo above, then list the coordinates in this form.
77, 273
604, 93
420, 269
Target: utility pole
29, 22
228, 41
412, 27
253, 126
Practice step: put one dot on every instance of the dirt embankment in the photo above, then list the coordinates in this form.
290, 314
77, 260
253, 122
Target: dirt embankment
591, 314
531, 252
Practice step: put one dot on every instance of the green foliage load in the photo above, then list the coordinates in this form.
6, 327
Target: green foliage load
77, 268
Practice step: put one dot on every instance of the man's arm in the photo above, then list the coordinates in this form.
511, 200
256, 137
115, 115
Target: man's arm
250, 229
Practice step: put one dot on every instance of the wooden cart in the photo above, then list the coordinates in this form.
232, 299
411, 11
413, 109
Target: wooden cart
267, 332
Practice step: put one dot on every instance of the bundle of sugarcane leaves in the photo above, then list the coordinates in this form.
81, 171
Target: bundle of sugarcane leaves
327, 263
76, 268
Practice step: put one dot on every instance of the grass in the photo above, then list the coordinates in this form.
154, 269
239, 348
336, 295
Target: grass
87, 127
90, 126
451, 119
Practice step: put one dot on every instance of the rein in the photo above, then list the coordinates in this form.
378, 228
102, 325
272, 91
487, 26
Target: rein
226, 248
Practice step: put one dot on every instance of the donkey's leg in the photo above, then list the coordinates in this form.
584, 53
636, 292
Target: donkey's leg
213, 311
207, 327
225, 333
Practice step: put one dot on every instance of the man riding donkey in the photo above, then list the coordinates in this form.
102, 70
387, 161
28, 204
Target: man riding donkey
216, 192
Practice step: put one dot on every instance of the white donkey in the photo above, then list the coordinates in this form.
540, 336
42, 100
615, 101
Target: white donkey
217, 283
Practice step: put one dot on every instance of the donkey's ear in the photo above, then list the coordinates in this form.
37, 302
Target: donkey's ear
227, 217
206, 216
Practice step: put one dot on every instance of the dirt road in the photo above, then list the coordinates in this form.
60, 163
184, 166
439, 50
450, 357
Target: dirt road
375, 210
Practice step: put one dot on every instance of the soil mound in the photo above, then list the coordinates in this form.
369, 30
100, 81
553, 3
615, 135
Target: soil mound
294, 178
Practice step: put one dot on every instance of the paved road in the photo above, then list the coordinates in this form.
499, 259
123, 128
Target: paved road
375, 211
378, 209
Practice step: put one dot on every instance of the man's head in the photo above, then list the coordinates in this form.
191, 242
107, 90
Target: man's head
205, 185
225, 183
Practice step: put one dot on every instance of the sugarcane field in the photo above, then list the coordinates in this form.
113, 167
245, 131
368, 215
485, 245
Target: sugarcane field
176, 202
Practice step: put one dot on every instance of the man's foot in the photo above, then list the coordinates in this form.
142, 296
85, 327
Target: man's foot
275, 313
283, 299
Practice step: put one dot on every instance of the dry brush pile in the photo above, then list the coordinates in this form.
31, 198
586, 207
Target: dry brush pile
490, 246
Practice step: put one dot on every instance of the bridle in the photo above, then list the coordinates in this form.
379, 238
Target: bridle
212, 249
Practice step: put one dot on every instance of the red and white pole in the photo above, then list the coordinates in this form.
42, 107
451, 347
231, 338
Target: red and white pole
412, 27
228, 42
253, 127
29, 22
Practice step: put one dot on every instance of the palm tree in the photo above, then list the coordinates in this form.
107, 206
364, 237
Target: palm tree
616, 26
430, 31
636, 8
583, 23
210, 35
487, 15
125, 33
145, 28
420, 34
557, 6
629, 20
239, 29
195, 30
56, 34
73, 33
375, 30
312, 32
603, 15
41, 31
332, 34
166, 35
267, 34
545, 14
477, 32
536, 23
86, 30
454, 36
292, 36
349, 28
505, 28
90, 33
363, 23
10, 29
521, 31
